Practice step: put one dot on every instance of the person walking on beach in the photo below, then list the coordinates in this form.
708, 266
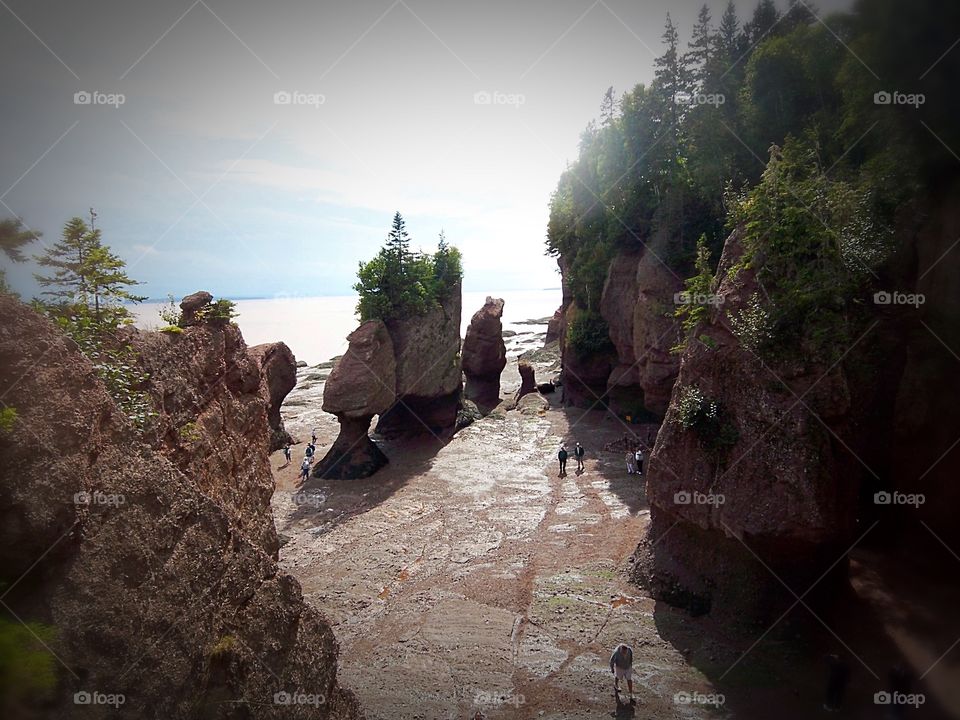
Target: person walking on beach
621, 665
562, 457
639, 458
308, 453
286, 454
313, 437
304, 469
631, 459
578, 454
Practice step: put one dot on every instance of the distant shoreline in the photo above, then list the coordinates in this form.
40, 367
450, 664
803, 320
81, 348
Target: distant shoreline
283, 296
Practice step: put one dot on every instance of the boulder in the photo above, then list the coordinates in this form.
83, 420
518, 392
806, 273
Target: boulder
192, 304
133, 559
484, 354
278, 373
360, 386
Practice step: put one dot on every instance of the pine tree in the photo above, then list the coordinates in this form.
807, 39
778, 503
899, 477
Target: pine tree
671, 76
13, 237
700, 50
607, 107
765, 17
86, 274
398, 241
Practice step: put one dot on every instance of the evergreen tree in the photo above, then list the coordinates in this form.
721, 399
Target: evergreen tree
86, 275
765, 18
13, 237
398, 241
607, 107
700, 49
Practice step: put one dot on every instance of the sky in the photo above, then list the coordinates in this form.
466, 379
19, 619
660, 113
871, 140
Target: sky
261, 149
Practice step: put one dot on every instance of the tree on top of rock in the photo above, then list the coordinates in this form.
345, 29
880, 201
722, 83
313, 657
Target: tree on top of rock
12, 238
398, 283
87, 276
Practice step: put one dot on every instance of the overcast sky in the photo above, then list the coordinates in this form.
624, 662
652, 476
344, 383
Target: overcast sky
202, 180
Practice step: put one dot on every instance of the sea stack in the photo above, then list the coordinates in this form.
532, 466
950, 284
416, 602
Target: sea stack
484, 354
360, 386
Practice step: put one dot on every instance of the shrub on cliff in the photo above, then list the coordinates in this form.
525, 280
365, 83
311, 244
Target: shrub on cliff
398, 283
588, 334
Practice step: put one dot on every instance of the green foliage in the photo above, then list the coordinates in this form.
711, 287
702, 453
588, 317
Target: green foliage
398, 283
707, 418
697, 295
172, 330
221, 311
13, 237
115, 362
8, 418
28, 668
170, 313
588, 333
189, 433
86, 274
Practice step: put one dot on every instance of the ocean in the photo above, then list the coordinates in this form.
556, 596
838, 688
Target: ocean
316, 328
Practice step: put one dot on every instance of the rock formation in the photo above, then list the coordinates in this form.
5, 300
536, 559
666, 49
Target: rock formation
360, 386
278, 371
191, 305
484, 354
757, 474
132, 551
212, 419
528, 381
428, 372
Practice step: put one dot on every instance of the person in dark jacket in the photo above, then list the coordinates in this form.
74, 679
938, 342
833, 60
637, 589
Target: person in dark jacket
562, 457
578, 454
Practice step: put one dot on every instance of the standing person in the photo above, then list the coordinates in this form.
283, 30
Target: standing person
304, 469
562, 457
631, 459
639, 461
286, 454
313, 437
308, 453
621, 665
578, 454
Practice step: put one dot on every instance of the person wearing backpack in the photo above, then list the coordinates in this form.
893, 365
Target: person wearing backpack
562, 457
304, 470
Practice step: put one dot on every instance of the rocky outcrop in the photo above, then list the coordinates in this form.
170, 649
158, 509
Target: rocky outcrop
132, 556
528, 380
360, 386
428, 372
278, 373
211, 419
484, 354
191, 305
741, 467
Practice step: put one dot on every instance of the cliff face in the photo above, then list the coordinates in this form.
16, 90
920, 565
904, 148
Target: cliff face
151, 559
213, 419
637, 303
278, 373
